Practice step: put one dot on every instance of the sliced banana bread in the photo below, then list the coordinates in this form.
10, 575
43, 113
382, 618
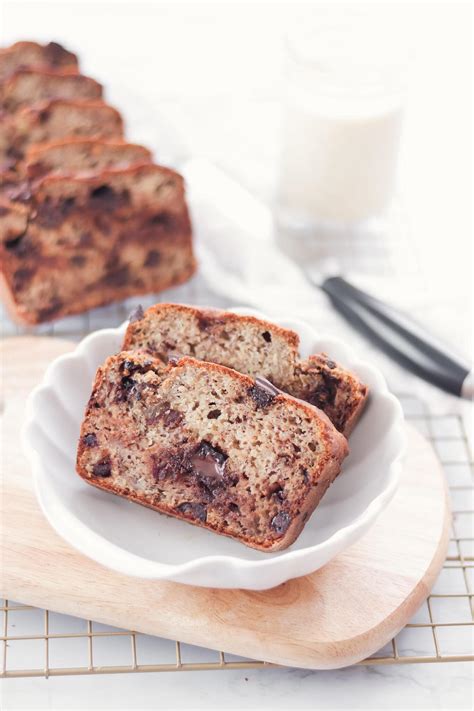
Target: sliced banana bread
254, 347
29, 86
53, 120
89, 241
208, 445
81, 155
32, 54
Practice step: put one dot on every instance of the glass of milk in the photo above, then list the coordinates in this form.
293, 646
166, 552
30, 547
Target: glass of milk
342, 120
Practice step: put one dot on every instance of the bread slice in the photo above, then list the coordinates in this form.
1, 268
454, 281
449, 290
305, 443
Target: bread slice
78, 155
39, 56
30, 86
208, 445
54, 120
88, 241
252, 346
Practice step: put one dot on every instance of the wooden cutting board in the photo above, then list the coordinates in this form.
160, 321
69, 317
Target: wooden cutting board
331, 618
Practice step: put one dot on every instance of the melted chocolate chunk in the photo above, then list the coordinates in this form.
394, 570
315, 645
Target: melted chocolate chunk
263, 392
170, 464
325, 392
331, 364
171, 418
56, 54
162, 219
103, 467
196, 511
207, 322
127, 390
51, 215
20, 246
51, 310
209, 461
276, 490
36, 170
213, 414
137, 314
267, 336
22, 277
129, 367
86, 240
106, 198
152, 258
78, 260
43, 116
280, 522
117, 276
90, 439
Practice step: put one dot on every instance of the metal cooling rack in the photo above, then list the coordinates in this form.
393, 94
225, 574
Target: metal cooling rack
44, 643
38, 643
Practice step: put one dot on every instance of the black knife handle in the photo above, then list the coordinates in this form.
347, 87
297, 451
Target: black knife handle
397, 335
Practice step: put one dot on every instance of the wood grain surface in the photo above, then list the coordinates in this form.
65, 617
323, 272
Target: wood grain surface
331, 618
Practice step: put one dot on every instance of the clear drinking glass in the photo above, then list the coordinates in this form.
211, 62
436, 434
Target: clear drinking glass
342, 120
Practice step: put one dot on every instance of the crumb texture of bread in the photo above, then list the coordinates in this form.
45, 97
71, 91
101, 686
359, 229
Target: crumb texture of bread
33, 55
206, 444
81, 156
254, 347
27, 87
86, 241
54, 120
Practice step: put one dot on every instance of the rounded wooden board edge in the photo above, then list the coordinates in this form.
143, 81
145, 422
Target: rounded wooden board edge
283, 625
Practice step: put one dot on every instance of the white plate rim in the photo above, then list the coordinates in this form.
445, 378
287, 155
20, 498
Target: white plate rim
113, 556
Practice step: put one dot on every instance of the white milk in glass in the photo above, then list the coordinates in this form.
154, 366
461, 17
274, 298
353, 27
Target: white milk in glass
342, 121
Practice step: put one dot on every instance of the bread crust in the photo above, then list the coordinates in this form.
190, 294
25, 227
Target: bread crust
39, 153
33, 54
329, 466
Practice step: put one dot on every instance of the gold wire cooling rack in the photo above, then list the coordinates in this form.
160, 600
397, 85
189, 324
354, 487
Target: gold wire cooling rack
44, 643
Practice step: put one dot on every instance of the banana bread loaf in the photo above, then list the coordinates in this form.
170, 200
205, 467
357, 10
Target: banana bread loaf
32, 54
254, 347
72, 243
29, 86
53, 120
208, 445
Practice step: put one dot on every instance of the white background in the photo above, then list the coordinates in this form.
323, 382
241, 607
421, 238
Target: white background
212, 70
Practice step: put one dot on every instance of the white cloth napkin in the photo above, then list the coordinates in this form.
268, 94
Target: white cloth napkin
240, 260
236, 250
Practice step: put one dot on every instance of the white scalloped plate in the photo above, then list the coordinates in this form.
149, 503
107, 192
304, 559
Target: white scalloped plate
139, 542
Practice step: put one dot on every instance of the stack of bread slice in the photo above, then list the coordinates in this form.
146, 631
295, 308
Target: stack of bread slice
213, 418
85, 217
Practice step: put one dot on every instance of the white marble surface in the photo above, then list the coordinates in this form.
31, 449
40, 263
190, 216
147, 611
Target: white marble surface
211, 70
436, 686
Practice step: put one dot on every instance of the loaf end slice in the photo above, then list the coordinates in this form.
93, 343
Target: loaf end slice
203, 443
